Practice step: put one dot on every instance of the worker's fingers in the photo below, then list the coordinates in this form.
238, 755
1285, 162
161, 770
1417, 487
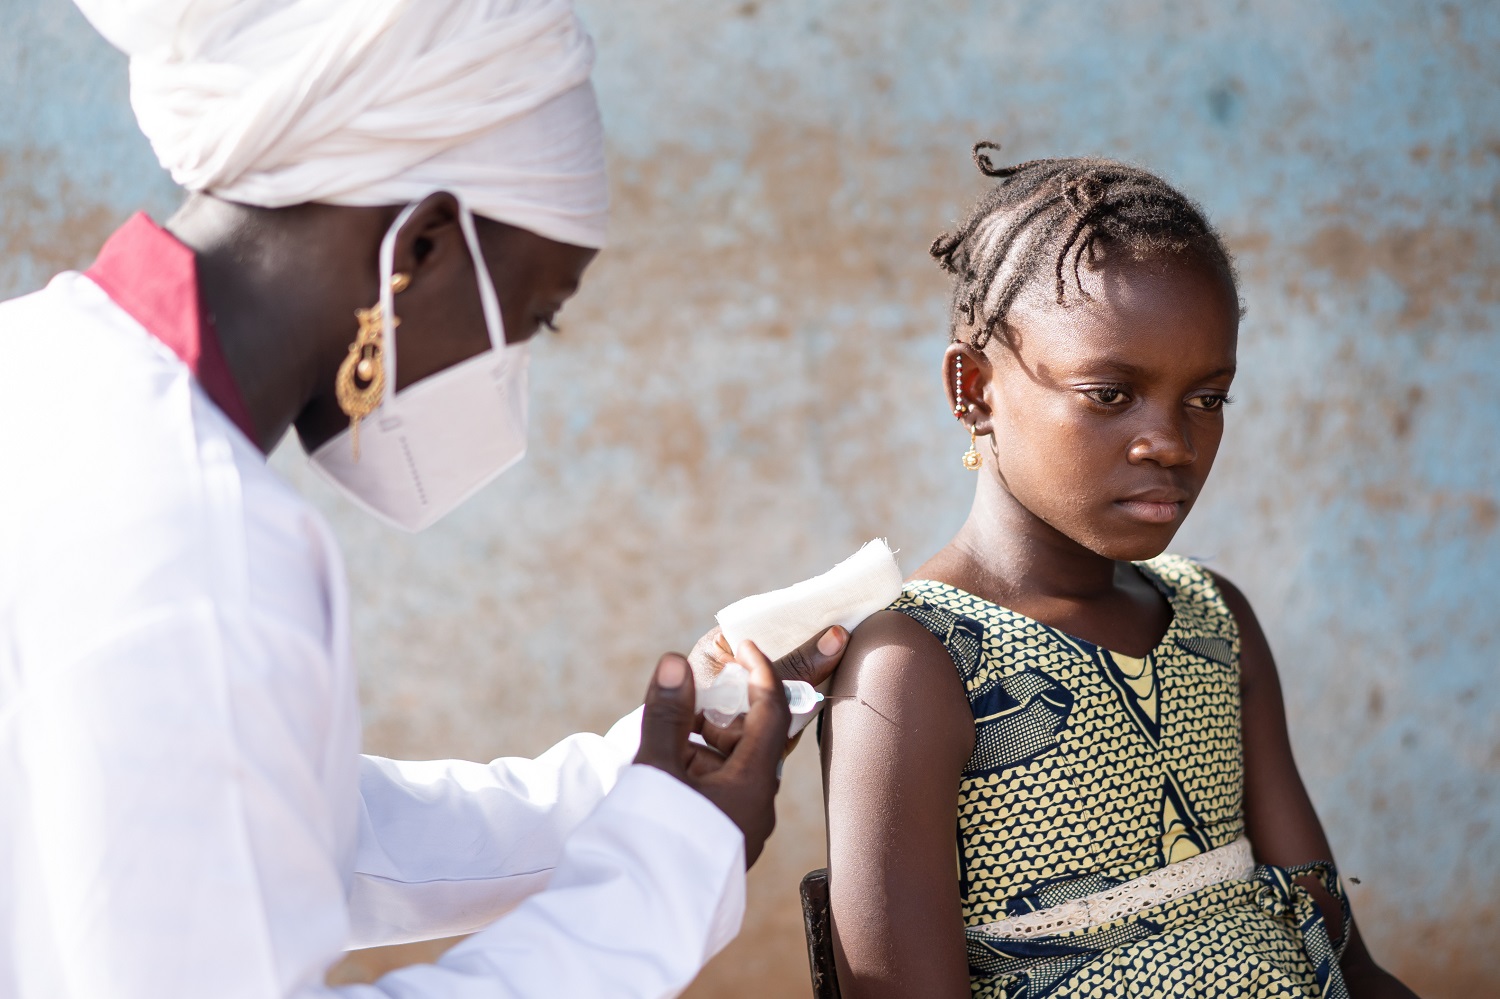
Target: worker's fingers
668, 716
766, 723
813, 662
702, 761
724, 738
709, 656
815, 659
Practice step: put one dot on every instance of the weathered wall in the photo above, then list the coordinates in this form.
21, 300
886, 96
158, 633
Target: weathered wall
747, 386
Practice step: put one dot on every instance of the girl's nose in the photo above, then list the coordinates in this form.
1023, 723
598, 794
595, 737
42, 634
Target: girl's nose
1167, 443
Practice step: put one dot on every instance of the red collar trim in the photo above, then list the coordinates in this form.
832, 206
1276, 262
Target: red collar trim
153, 276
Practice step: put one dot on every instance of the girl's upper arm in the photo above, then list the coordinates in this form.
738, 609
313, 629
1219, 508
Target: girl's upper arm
896, 735
1279, 815
1280, 819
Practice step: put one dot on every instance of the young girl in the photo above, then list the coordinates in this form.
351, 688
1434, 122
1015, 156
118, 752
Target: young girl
1099, 725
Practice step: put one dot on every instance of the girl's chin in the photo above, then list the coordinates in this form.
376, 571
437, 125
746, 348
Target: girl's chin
1139, 545
1121, 535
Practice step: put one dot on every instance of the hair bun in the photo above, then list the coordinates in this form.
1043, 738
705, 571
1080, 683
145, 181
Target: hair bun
1083, 193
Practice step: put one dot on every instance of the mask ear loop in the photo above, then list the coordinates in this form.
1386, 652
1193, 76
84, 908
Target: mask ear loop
388, 306
494, 323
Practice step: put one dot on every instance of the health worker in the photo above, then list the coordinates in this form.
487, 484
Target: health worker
387, 198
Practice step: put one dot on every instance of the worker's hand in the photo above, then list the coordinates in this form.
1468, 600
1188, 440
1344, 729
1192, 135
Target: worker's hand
813, 662
737, 771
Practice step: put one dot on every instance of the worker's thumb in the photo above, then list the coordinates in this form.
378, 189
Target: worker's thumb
668, 717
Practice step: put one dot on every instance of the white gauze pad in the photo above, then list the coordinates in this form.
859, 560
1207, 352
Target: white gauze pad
780, 621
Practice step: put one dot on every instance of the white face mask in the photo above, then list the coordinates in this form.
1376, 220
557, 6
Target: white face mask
429, 447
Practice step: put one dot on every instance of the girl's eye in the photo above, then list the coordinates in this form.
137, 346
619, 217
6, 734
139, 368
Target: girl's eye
1110, 395
1210, 403
548, 323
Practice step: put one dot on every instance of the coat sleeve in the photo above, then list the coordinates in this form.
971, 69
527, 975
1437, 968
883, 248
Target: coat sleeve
646, 889
446, 847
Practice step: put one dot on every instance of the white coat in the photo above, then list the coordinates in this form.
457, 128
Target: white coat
183, 808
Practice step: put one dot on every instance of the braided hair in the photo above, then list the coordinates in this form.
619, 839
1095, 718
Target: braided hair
1060, 211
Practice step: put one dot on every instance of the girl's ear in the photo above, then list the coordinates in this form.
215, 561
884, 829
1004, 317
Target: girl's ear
966, 376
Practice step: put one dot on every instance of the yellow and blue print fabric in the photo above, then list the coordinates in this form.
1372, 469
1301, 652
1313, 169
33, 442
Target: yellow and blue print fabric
1092, 768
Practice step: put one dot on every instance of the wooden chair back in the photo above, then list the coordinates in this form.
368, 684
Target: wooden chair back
817, 922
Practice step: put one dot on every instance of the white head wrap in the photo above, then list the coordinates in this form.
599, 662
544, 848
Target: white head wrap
372, 102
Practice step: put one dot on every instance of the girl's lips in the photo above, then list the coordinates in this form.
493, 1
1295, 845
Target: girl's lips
1151, 512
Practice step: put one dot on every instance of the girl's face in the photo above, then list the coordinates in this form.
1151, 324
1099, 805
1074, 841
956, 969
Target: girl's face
1107, 414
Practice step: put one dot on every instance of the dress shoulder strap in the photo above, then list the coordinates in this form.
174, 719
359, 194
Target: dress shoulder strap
1007, 662
960, 635
1205, 626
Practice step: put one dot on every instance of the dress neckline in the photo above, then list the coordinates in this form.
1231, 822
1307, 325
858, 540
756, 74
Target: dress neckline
1145, 569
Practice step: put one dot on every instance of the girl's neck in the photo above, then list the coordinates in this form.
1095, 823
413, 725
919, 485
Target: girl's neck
1018, 554
1006, 554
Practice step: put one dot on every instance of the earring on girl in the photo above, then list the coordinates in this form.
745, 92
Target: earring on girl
972, 459
360, 383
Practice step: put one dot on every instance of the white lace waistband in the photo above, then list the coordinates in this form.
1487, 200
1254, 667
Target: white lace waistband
1234, 862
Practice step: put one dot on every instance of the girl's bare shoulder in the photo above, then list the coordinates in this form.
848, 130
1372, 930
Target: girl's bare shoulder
898, 679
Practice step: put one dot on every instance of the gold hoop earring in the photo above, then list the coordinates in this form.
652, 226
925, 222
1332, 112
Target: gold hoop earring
360, 383
972, 458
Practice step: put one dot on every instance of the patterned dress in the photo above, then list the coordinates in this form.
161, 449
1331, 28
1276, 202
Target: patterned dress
1093, 768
